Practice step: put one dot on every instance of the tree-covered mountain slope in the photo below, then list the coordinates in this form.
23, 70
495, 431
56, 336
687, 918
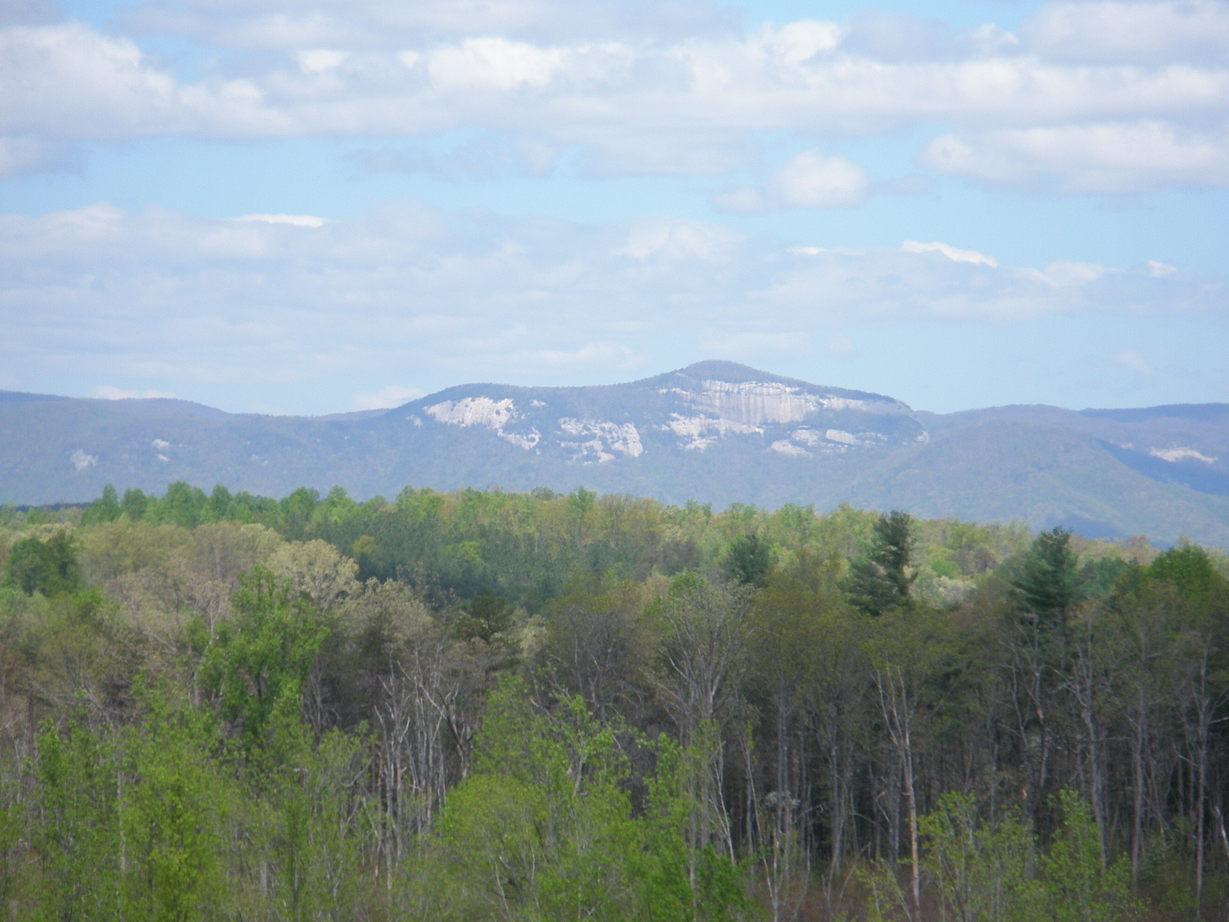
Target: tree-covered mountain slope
714, 432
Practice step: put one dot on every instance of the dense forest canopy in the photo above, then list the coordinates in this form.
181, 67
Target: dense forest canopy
487, 705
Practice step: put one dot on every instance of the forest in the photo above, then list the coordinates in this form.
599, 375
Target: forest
482, 705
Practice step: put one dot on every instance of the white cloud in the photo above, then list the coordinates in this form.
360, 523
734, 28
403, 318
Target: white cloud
108, 392
753, 344
1132, 361
1182, 31
320, 60
1105, 157
950, 252
387, 397
840, 344
605, 355
20, 156
812, 180
807, 180
675, 239
627, 104
70, 72
1069, 273
277, 24
280, 311
924, 281
493, 63
292, 220
798, 43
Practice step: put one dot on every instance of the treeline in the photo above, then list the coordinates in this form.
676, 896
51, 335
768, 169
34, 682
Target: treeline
481, 705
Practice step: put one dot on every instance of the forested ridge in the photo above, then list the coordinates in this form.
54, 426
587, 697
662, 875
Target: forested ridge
486, 705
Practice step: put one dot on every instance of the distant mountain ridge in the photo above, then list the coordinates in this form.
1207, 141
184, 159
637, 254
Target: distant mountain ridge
714, 432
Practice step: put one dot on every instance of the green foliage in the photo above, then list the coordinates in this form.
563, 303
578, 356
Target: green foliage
257, 662
485, 618
182, 504
307, 821
1046, 585
77, 833
173, 813
104, 509
1189, 571
545, 828
882, 579
981, 872
49, 567
995, 872
748, 560
134, 504
945, 568
14, 858
240, 780
1079, 886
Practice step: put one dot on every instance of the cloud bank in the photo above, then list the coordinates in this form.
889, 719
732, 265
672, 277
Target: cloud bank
162, 302
1103, 97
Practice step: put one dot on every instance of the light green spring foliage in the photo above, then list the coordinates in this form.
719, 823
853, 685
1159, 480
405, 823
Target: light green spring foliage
252, 789
152, 821
1078, 884
77, 836
981, 871
545, 828
173, 813
257, 662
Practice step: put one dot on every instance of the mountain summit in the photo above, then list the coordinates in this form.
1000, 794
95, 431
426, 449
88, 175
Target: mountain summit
714, 432
694, 409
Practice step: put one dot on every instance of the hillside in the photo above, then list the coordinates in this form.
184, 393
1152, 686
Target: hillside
714, 432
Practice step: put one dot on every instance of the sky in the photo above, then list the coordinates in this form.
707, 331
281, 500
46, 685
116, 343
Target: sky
317, 206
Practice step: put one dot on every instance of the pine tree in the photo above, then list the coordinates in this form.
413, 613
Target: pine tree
883, 579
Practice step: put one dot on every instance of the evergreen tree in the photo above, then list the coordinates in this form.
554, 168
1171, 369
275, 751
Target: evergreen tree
883, 579
1046, 586
748, 560
49, 567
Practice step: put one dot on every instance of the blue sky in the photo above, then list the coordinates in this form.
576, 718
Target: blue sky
311, 206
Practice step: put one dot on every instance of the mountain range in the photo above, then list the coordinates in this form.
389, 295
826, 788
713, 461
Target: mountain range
714, 432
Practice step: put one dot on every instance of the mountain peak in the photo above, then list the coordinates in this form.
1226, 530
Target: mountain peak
713, 431
723, 370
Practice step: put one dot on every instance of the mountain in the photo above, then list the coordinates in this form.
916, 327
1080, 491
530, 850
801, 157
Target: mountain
713, 432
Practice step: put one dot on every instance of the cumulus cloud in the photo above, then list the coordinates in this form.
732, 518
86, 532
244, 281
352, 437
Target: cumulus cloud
292, 220
20, 156
1103, 158
939, 281
840, 344
109, 392
606, 355
950, 252
674, 240
1132, 360
751, 345
138, 298
277, 24
1016, 107
387, 397
812, 180
1181, 32
808, 180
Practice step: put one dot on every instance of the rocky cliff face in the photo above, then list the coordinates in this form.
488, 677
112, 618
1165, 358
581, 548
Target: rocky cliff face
691, 410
